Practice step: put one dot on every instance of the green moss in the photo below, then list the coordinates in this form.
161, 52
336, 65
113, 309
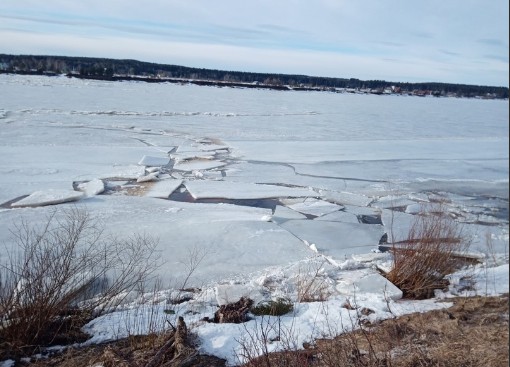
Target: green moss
278, 307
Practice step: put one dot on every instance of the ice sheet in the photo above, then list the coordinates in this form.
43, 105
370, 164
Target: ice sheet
56, 131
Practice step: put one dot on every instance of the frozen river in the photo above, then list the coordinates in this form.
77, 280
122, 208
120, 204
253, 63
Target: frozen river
251, 178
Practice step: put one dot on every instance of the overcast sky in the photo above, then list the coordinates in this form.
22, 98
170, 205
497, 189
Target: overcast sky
454, 41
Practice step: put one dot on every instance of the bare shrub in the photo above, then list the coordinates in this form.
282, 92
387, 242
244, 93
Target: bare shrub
61, 274
432, 250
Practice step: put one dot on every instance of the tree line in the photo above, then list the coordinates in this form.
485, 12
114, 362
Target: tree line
104, 68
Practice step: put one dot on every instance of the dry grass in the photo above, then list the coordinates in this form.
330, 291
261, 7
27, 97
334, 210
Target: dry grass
474, 332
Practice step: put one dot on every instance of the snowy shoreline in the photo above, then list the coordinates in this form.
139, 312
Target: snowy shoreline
268, 194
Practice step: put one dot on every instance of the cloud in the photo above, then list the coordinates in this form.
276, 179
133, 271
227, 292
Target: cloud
393, 40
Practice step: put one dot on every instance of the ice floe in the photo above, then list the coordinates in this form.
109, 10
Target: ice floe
367, 281
336, 239
48, 197
346, 198
151, 161
199, 164
282, 214
236, 190
315, 207
91, 188
163, 189
339, 216
153, 176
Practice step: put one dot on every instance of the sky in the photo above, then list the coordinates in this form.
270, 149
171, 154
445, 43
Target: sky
453, 41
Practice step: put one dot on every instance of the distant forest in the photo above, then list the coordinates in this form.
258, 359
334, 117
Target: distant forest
113, 69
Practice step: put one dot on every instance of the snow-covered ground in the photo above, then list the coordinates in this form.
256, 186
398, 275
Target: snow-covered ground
271, 188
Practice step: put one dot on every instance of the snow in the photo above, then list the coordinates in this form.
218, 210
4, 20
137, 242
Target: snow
376, 283
228, 293
339, 162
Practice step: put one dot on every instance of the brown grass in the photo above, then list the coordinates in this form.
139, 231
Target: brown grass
474, 332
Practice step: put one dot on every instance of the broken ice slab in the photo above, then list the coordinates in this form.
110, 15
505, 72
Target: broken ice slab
152, 161
362, 210
180, 157
199, 164
397, 225
211, 147
346, 198
91, 188
200, 147
164, 149
147, 178
163, 189
124, 172
283, 214
392, 201
315, 207
48, 197
238, 190
335, 239
339, 216
363, 282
